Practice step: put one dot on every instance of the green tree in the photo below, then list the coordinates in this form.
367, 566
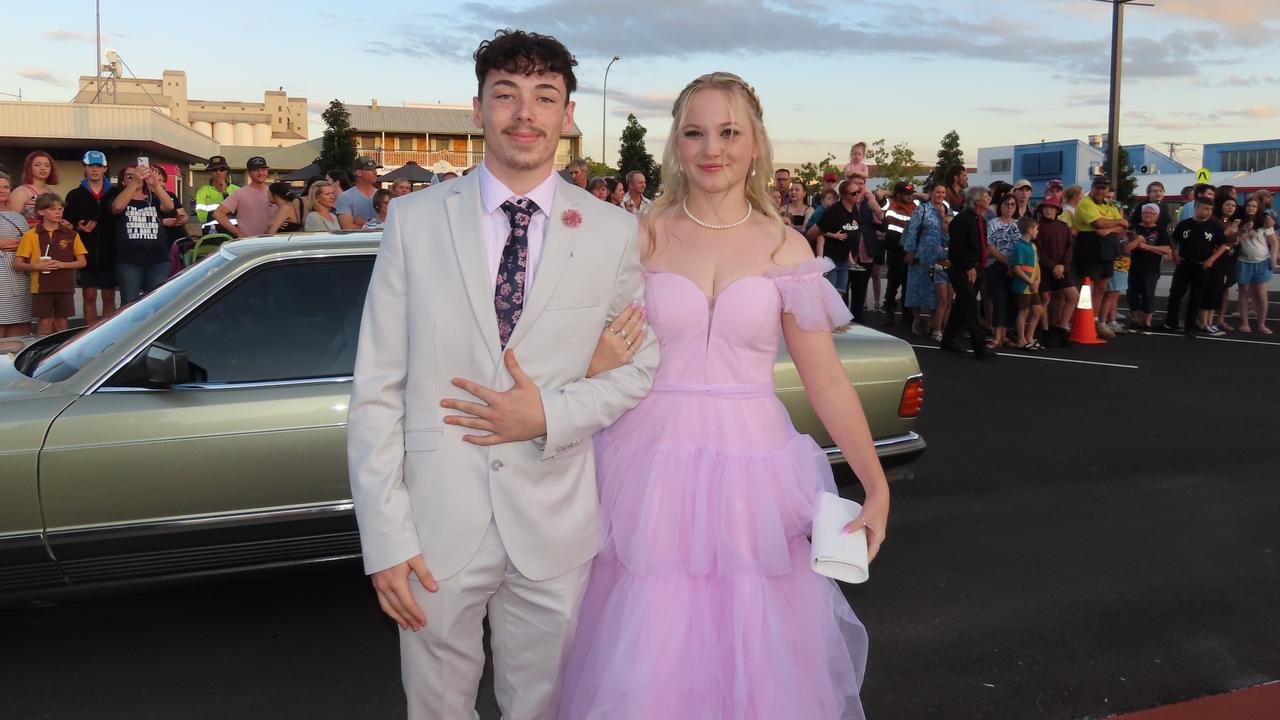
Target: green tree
896, 164
338, 151
599, 169
949, 155
810, 173
1128, 183
632, 155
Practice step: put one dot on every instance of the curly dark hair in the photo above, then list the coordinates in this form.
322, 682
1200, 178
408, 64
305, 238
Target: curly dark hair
525, 53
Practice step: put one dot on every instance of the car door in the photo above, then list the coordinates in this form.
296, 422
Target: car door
243, 466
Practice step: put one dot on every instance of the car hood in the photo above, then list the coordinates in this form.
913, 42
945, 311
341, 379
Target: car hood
14, 384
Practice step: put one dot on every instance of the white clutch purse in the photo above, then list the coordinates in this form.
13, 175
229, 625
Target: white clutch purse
833, 553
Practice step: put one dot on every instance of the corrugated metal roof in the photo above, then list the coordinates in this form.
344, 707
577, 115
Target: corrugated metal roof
102, 123
442, 120
284, 159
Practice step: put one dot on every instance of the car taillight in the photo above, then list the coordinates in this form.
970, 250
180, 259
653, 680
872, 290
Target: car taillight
912, 398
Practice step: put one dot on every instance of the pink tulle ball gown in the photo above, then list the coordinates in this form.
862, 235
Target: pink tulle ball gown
702, 605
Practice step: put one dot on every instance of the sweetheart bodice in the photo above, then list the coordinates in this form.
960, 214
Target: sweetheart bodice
732, 338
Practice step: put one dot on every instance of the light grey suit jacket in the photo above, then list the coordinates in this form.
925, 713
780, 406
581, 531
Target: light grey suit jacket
428, 318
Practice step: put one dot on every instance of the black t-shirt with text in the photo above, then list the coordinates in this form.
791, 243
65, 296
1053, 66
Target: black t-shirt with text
1197, 239
1146, 261
837, 219
140, 238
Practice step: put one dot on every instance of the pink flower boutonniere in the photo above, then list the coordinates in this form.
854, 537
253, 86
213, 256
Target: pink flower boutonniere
571, 218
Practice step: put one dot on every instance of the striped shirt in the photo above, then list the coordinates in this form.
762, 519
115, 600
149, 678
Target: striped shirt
15, 290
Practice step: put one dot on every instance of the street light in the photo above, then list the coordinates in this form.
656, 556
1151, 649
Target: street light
1117, 63
604, 108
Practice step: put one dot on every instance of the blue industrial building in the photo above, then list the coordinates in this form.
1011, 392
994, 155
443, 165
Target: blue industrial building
1249, 156
1075, 162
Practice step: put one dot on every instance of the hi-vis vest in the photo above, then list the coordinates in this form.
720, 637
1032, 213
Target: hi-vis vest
208, 199
896, 218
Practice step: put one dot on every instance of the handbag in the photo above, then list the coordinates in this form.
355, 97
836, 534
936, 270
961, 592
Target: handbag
832, 552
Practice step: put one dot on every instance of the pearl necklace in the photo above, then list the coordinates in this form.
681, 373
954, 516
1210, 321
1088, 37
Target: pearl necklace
685, 204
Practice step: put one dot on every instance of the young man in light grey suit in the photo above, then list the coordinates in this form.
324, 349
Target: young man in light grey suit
471, 471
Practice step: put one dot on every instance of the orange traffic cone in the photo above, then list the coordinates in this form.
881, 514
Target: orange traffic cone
1082, 323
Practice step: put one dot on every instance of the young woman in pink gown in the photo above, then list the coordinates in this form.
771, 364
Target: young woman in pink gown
702, 605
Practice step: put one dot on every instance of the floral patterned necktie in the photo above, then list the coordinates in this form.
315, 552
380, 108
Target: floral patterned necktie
508, 295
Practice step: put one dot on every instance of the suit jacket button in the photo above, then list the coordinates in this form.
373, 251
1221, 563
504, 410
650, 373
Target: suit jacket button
496, 465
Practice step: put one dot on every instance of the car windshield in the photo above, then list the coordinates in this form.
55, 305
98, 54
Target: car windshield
102, 337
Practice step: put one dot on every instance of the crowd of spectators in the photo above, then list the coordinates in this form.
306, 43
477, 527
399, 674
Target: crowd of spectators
990, 263
987, 261
114, 240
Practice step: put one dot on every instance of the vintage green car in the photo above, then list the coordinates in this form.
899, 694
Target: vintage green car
202, 430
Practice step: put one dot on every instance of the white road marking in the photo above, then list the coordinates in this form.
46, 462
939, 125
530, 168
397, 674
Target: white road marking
1219, 339
1045, 357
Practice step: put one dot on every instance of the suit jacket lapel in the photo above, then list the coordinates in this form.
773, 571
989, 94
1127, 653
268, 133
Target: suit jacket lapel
466, 227
557, 248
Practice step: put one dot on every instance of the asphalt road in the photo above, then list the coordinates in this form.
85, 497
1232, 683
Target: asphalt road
1085, 535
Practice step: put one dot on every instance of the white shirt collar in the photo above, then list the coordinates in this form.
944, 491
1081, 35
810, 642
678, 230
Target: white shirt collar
493, 192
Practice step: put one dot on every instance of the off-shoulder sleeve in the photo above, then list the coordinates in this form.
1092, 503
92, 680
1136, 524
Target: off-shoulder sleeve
809, 297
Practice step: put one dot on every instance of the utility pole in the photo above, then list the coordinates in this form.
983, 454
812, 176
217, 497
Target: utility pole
97, 58
604, 108
1117, 66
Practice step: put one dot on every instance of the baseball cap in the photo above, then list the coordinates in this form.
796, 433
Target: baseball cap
1100, 181
1022, 183
829, 177
217, 162
903, 187
95, 157
366, 163
1056, 182
256, 162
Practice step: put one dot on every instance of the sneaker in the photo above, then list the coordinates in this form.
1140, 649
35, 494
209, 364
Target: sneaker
936, 336
1105, 332
1170, 328
1116, 327
1214, 331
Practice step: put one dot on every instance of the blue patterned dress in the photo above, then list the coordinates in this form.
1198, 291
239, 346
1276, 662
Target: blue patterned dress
926, 238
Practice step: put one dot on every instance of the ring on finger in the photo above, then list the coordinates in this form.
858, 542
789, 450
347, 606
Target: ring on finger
623, 333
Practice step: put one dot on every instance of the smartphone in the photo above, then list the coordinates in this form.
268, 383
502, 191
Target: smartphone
144, 161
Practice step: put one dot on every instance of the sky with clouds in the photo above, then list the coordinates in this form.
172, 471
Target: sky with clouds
999, 72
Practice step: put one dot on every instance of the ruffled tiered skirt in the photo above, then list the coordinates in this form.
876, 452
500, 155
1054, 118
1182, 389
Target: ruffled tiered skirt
702, 604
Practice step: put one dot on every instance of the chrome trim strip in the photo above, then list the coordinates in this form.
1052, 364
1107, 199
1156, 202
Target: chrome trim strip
337, 379
834, 455
250, 517
184, 311
897, 440
22, 535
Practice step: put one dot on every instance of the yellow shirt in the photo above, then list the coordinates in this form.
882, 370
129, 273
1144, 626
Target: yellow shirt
1087, 211
69, 250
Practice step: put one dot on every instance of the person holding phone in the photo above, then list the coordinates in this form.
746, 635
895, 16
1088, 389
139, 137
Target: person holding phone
142, 249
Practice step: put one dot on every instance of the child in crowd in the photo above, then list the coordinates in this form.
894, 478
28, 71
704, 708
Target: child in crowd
1058, 283
1026, 284
52, 254
856, 166
1119, 283
1258, 254
1144, 266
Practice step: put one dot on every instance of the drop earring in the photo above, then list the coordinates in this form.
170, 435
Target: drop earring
753, 169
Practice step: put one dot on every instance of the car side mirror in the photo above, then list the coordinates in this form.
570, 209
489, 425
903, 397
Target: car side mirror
160, 366
166, 365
